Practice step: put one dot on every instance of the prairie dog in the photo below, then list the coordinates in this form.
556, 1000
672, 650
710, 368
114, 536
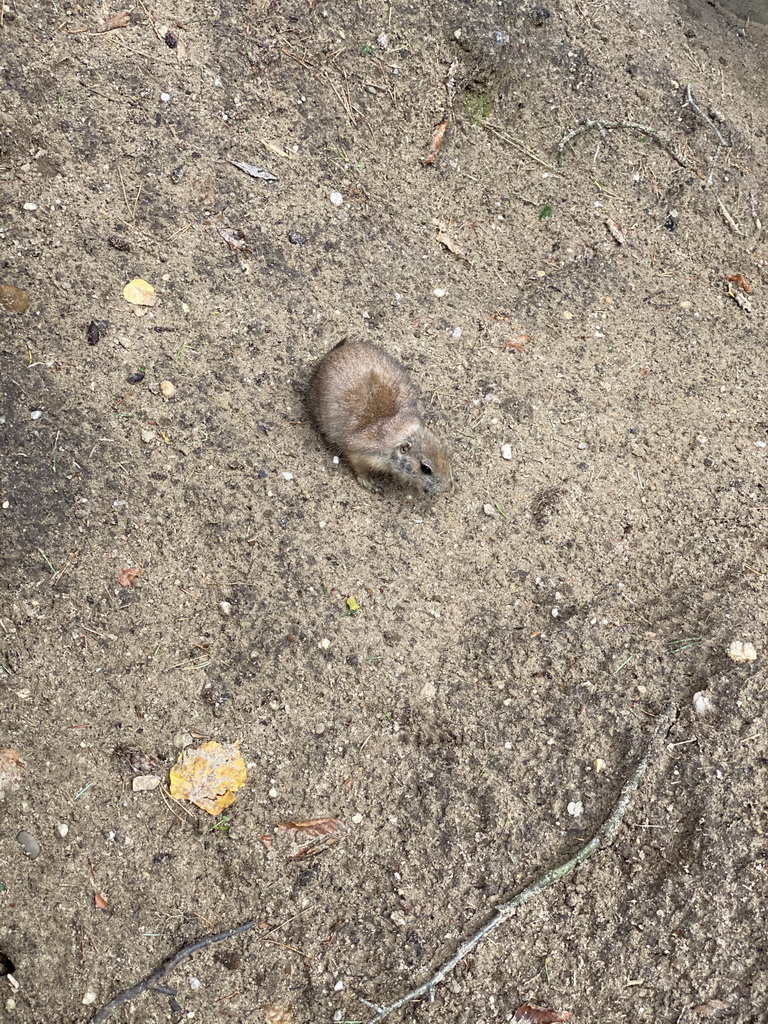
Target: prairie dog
367, 408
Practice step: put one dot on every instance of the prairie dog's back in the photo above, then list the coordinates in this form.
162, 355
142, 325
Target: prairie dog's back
361, 399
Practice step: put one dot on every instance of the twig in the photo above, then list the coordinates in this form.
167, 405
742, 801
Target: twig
494, 129
601, 126
721, 143
152, 979
604, 835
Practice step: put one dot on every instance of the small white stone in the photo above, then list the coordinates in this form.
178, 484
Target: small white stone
6, 504
506, 452
742, 652
582, 446
165, 97
272, 793
89, 998
324, 644
439, 293
62, 828
357, 819
287, 476
598, 765
339, 986
456, 333
575, 808
30, 206
35, 414
167, 389
397, 918
147, 435
489, 510
336, 198
555, 612
383, 40
225, 607
702, 703
145, 783
195, 984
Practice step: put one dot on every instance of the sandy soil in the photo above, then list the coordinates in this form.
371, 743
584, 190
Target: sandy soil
472, 724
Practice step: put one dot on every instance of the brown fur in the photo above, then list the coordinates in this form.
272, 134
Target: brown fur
367, 408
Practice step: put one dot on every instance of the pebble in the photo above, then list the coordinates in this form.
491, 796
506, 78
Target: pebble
165, 97
336, 198
30, 206
575, 808
456, 333
145, 783
489, 510
135, 378
742, 652
599, 765
63, 829
702, 703
183, 739
506, 452
439, 293
167, 389
35, 414
29, 844
296, 238
339, 986
89, 998
324, 644
195, 984
357, 819
225, 608
319, 729
147, 435
287, 476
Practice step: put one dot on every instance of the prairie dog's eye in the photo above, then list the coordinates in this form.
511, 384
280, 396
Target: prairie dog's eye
426, 469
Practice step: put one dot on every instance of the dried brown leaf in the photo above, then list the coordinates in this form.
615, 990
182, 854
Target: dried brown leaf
741, 281
308, 837
253, 171
208, 776
437, 141
118, 20
518, 343
529, 1014
99, 902
234, 238
128, 577
278, 1014
713, 1009
12, 769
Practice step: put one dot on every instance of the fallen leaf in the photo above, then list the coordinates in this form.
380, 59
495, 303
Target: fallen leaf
139, 293
437, 140
715, 1007
208, 776
615, 231
128, 577
352, 604
740, 300
529, 1014
118, 20
99, 902
235, 239
741, 281
254, 171
278, 1014
12, 769
272, 148
14, 299
445, 239
518, 343
309, 837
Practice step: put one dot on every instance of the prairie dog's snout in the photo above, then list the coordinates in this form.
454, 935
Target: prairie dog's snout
365, 405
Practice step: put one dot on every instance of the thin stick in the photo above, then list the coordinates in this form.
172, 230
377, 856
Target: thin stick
152, 979
601, 126
721, 143
604, 835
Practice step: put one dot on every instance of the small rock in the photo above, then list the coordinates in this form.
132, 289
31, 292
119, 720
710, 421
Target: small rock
195, 984
383, 40
165, 97
397, 918
135, 378
702, 703
89, 998
357, 819
167, 389
506, 452
575, 808
63, 829
319, 729
599, 765
742, 652
336, 198
93, 334
489, 510
30, 206
36, 414
296, 238
324, 644
147, 435
29, 844
339, 986
225, 608
287, 476
439, 293
145, 783
183, 739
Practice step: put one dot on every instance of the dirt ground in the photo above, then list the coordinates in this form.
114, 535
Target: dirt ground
600, 311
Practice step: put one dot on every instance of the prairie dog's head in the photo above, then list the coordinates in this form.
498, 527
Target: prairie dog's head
422, 460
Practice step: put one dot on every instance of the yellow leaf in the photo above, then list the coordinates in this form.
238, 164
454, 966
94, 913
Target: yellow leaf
353, 605
139, 293
208, 776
